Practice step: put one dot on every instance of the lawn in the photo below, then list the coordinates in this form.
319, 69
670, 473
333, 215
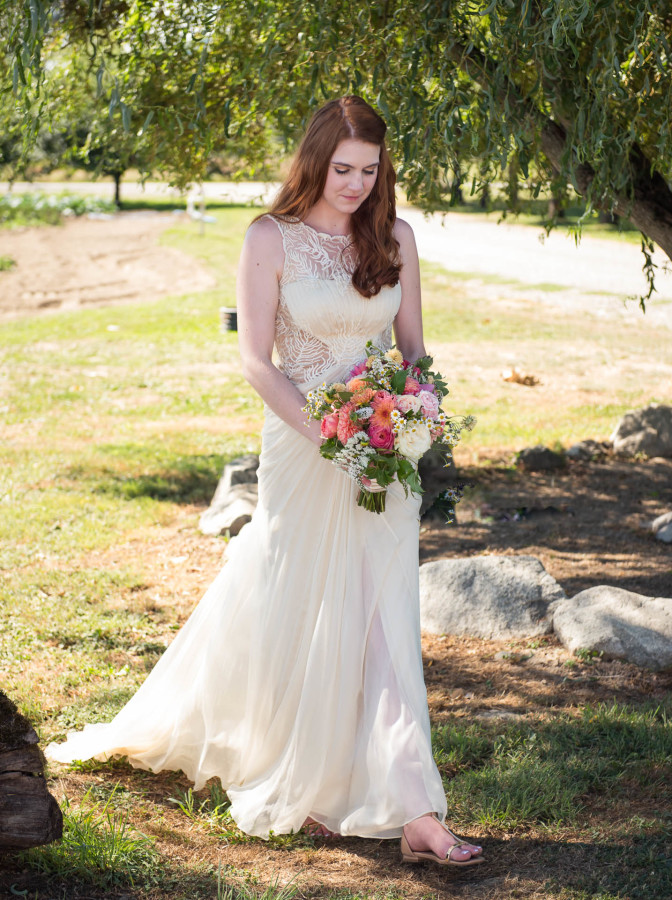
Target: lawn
116, 424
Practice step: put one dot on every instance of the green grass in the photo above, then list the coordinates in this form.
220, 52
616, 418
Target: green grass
98, 848
116, 424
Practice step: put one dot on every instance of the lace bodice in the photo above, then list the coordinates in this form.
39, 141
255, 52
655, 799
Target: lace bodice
323, 323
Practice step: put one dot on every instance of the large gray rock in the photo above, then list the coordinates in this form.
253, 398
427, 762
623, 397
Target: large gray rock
235, 498
488, 596
647, 431
618, 623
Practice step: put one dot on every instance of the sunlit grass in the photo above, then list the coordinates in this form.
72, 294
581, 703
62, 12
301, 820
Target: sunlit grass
115, 420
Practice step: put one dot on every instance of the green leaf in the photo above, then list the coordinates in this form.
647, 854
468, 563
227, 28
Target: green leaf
398, 381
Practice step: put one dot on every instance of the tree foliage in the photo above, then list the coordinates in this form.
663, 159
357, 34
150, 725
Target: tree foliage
541, 93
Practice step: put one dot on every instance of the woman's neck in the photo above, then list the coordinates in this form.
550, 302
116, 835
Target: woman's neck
328, 220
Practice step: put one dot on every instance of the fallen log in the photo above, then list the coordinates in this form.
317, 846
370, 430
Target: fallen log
29, 815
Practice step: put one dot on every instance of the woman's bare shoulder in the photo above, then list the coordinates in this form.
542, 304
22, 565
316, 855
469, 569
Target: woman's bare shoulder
266, 231
264, 240
404, 234
402, 230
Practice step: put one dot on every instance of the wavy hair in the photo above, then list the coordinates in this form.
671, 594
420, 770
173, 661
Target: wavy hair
376, 248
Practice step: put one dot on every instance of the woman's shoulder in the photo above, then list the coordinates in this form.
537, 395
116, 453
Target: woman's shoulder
265, 234
404, 234
401, 229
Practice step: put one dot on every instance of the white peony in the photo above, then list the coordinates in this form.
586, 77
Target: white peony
413, 442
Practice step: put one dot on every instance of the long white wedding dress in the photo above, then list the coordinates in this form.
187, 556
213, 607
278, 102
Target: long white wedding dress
298, 678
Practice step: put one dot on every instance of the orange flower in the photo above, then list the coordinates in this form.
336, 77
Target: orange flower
363, 397
346, 427
356, 384
383, 405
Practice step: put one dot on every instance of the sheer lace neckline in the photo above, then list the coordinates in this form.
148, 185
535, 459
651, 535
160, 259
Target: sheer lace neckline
324, 234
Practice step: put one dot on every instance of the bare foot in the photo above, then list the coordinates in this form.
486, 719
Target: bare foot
317, 829
427, 833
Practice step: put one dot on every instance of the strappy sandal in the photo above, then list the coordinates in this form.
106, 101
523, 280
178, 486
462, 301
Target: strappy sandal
316, 829
415, 856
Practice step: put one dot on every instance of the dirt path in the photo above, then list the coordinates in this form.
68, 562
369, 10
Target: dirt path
94, 262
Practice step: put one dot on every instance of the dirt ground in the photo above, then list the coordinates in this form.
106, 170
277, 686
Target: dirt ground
93, 262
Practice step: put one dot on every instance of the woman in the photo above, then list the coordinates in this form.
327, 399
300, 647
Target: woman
298, 678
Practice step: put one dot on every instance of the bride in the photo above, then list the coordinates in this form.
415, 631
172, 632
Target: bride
298, 678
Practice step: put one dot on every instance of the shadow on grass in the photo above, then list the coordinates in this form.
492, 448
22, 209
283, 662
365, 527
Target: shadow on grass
185, 479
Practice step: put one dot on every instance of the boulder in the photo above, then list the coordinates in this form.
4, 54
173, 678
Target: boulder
235, 498
585, 451
647, 431
662, 528
539, 459
488, 596
618, 623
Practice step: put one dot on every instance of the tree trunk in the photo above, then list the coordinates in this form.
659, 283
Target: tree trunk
29, 815
117, 188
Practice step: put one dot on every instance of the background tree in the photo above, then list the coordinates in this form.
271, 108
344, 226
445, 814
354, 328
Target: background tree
561, 92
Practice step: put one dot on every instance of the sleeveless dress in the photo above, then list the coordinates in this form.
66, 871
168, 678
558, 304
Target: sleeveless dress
298, 679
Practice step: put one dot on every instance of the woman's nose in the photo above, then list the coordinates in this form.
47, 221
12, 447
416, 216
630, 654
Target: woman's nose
356, 181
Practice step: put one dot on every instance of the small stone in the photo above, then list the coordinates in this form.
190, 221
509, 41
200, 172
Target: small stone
539, 459
661, 521
586, 451
665, 534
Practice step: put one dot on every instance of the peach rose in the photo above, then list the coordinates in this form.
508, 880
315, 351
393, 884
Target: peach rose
412, 385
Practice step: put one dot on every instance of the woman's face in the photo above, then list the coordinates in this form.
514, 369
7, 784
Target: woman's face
352, 173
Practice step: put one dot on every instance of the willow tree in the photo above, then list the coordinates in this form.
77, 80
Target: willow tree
541, 93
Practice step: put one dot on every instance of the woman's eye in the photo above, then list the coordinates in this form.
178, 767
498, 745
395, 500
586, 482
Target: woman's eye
370, 172
341, 171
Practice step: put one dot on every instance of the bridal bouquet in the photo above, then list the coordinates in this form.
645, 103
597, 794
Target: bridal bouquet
378, 425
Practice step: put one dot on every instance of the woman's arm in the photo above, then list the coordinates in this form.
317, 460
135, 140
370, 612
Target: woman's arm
260, 266
408, 321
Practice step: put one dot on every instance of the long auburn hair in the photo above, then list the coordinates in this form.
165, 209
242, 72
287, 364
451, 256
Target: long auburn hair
376, 248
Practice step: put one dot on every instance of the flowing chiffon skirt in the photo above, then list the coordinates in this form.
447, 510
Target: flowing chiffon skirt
298, 678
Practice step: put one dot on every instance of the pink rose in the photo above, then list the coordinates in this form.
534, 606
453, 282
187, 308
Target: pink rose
412, 385
429, 387
329, 426
408, 403
346, 427
381, 436
430, 405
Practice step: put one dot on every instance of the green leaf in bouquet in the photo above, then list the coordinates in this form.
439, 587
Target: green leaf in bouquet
344, 396
414, 483
424, 363
398, 381
328, 448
